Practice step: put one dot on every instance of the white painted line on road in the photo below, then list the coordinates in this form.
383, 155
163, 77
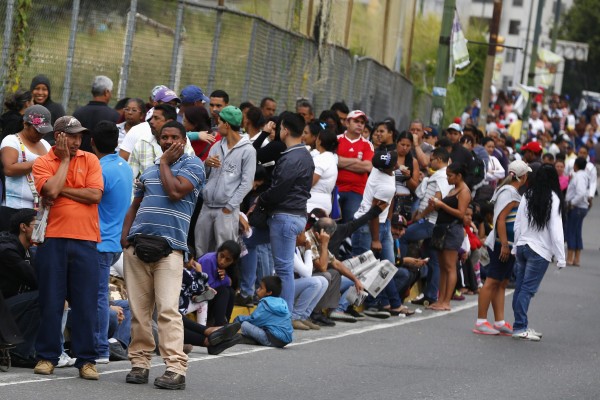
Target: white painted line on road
350, 332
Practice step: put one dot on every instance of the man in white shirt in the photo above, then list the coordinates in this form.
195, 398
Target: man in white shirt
160, 95
535, 123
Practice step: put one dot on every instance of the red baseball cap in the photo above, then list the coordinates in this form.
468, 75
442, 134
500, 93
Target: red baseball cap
534, 147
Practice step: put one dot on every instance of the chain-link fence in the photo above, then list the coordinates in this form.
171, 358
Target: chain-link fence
140, 44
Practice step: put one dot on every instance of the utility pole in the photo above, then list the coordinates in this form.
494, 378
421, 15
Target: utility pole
491, 57
527, 42
443, 58
554, 37
410, 40
348, 22
531, 75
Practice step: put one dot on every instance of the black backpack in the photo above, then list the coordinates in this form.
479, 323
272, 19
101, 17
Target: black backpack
475, 173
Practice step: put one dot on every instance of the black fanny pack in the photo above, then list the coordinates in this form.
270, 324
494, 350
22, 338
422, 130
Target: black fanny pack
150, 248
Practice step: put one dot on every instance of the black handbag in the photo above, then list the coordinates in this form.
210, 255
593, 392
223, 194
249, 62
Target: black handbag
150, 248
438, 237
258, 218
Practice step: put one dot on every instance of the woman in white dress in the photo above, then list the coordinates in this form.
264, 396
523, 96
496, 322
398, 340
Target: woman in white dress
325, 173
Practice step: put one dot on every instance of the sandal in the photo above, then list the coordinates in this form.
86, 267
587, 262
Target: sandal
402, 310
406, 311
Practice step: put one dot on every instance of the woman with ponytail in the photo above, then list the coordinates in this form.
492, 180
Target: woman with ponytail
499, 242
538, 236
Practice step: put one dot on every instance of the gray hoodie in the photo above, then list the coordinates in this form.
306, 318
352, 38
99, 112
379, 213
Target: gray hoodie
228, 185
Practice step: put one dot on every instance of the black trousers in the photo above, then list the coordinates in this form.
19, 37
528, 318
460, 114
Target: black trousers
24, 309
220, 307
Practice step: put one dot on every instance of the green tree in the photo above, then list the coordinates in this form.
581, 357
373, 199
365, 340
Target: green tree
467, 82
582, 24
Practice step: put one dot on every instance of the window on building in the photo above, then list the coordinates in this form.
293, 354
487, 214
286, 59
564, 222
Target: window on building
506, 82
511, 56
513, 27
518, 3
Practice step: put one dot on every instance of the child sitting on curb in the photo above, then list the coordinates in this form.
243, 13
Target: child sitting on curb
271, 323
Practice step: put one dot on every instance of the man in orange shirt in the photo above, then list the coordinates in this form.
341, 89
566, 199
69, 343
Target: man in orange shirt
70, 182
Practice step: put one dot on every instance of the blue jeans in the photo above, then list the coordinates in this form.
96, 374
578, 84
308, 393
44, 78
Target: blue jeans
308, 292
345, 285
530, 268
423, 231
283, 230
265, 265
122, 331
105, 260
256, 333
361, 241
249, 262
575, 228
67, 269
349, 203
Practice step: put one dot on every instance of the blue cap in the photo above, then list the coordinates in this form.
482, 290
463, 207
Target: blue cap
430, 131
191, 94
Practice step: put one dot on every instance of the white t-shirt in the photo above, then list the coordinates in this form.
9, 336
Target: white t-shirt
18, 191
134, 134
320, 194
536, 125
379, 186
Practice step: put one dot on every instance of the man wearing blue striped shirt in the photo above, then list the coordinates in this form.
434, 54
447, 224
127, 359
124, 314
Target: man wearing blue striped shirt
160, 213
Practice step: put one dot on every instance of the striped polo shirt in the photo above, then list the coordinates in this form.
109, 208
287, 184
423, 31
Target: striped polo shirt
160, 216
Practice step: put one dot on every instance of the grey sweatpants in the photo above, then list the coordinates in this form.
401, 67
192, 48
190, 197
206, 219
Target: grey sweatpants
214, 227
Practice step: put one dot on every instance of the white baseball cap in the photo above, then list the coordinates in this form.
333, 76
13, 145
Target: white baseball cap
518, 168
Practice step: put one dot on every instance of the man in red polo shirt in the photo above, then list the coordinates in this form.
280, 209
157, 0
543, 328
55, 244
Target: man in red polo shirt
354, 164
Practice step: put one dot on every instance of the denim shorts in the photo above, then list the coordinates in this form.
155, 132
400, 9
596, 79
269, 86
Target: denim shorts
497, 269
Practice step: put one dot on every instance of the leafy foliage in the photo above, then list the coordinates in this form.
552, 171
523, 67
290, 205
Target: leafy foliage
20, 51
467, 83
582, 24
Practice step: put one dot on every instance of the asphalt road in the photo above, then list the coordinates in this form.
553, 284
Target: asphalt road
425, 356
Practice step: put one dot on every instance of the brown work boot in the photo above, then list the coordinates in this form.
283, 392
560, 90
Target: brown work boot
88, 371
170, 380
137, 375
43, 367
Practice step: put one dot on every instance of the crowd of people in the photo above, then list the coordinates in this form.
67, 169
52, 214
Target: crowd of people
137, 229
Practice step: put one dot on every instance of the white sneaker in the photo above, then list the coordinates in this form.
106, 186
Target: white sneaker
103, 360
65, 361
536, 333
527, 335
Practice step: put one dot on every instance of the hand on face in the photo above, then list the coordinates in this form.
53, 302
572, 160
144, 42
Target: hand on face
173, 153
62, 147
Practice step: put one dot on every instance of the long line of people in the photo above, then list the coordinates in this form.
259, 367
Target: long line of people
166, 209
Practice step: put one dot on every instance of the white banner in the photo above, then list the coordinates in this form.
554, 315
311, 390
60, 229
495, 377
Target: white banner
459, 55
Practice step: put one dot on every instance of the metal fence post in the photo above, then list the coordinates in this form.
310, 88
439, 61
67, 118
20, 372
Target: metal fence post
367, 103
350, 99
176, 45
8, 24
127, 49
70, 54
249, 60
215, 52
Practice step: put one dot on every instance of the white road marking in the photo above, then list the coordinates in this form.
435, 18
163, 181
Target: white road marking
349, 332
